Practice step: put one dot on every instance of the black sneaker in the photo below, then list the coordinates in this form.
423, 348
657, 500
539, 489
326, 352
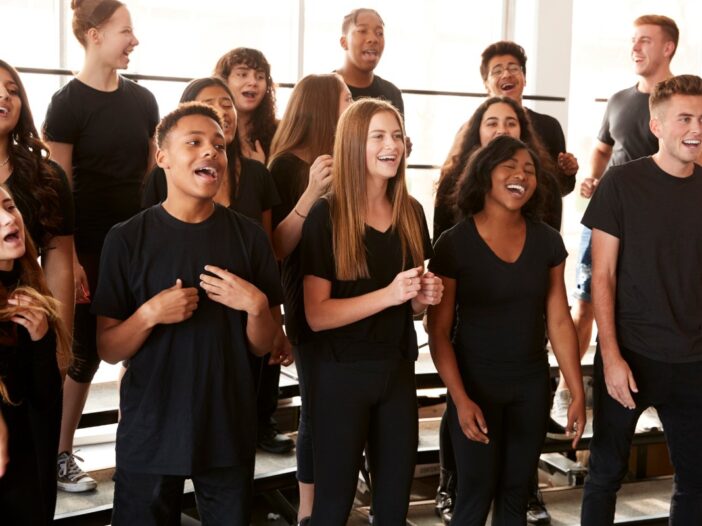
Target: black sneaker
273, 441
536, 510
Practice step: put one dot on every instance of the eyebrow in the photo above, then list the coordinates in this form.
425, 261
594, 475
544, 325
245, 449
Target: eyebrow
396, 130
198, 132
7, 200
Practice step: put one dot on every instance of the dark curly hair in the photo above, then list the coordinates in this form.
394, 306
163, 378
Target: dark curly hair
476, 182
503, 47
263, 123
34, 179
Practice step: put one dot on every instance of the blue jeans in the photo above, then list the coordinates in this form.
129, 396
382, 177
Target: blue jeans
583, 270
674, 390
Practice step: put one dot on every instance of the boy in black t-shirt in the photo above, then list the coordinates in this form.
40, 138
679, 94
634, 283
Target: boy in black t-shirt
647, 295
184, 294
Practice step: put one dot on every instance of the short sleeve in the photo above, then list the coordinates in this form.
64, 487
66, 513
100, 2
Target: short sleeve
113, 297
317, 255
604, 211
558, 249
444, 261
264, 266
155, 188
61, 124
63, 189
605, 136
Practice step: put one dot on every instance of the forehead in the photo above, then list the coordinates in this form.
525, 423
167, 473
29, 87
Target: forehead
196, 123
367, 18
648, 30
502, 60
499, 109
384, 120
5, 76
246, 68
120, 17
212, 92
679, 104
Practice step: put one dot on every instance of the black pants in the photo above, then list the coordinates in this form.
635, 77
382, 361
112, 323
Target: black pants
266, 383
354, 404
85, 356
516, 412
675, 391
303, 446
223, 496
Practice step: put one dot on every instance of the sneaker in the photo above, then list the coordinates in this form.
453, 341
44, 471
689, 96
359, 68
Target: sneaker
273, 441
70, 477
536, 510
561, 403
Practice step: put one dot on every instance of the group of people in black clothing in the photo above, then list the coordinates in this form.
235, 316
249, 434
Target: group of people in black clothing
170, 245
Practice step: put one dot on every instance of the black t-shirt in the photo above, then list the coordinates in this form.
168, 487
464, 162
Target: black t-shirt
500, 306
28, 206
110, 133
625, 127
255, 195
380, 89
550, 132
658, 220
291, 175
187, 400
388, 334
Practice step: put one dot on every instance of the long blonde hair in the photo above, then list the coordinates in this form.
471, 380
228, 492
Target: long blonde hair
32, 283
347, 198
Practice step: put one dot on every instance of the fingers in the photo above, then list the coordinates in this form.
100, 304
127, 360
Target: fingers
473, 431
632, 382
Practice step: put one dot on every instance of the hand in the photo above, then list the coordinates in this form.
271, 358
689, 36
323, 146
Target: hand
405, 286
620, 382
4, 439
567, 163
588, 186
431, 289
257, 153
232, 291
282, 350
172, 305
470, 416
408, 146
80, 282
320, 176
29, 316
576, 420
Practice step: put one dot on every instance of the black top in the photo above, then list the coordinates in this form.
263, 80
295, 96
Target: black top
380, 89
28, 207
388, 334
551, 135
291, 175
187, 400
625, 127
500, 306
658, 308
110, 133
255, 195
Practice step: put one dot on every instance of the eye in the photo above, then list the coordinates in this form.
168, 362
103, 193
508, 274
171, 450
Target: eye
193, 142
397, 136
220, 147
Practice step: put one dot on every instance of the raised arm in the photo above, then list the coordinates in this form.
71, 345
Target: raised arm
598, 163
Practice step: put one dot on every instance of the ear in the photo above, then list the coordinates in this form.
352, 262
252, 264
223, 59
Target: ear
344, 43
162, 159
668, 49
655, 125
93, 35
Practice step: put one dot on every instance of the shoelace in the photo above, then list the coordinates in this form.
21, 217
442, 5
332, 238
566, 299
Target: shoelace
70, 469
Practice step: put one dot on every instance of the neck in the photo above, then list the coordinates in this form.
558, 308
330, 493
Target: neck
648, 82
243, 122
376, 191
499, 217
354, 76
189, 209
671, 165
97, 75
4, 147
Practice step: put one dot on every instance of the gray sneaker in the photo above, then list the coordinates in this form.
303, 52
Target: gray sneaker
70, 477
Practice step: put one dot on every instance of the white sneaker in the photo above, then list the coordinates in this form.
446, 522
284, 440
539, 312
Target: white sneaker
70, 477
561, 403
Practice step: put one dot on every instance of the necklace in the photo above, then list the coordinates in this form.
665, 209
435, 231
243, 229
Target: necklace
2, 164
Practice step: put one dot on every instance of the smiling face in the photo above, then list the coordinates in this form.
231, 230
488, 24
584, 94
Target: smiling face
513, 182
651, 49
677, 123
505, 78
385, 146
218, 98
248, 86
364, 41
10, 103
498, 119
115, 39
194, 158
11, 232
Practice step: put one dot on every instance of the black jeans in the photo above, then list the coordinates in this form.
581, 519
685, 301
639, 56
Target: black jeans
223, 497
675, 391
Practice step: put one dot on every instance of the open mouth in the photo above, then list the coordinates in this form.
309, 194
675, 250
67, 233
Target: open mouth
507, 86
517, 190
691, 143
207, 172
4, 111
251, 95
371, 53
387, 158
12, 237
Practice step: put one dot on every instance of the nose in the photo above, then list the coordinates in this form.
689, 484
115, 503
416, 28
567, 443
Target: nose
4, 94
6, 217
135, 41
500, 130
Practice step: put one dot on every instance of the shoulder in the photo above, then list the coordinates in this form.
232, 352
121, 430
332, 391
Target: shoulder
543, 119
66, 92
625, 95
320, 210
253, 167
385, 84
627, 172
129, 86
286, 160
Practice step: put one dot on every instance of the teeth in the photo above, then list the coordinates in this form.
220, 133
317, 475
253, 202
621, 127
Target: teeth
4, 111
516, 188
691, 142
387, 158
206, 169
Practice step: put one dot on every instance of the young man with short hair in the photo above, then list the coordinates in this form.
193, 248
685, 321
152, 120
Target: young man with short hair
184, 295
646, 259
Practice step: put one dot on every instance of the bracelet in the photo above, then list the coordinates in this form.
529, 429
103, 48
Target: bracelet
299, 214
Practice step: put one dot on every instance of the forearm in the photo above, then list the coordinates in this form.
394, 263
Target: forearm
444, 357
564, 341
598, 162
261, 330
603, 298
57, 264
123, 339
333, 312
288, 233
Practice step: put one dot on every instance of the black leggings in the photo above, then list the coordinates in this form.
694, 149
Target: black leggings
354, 404
85, 357
516, 412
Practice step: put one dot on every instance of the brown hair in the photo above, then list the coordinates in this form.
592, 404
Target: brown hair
31, 282
503, 47
88, 14
351, 18
347, 198
263, 123
183, 110
667, 25
680, 85
310, 117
